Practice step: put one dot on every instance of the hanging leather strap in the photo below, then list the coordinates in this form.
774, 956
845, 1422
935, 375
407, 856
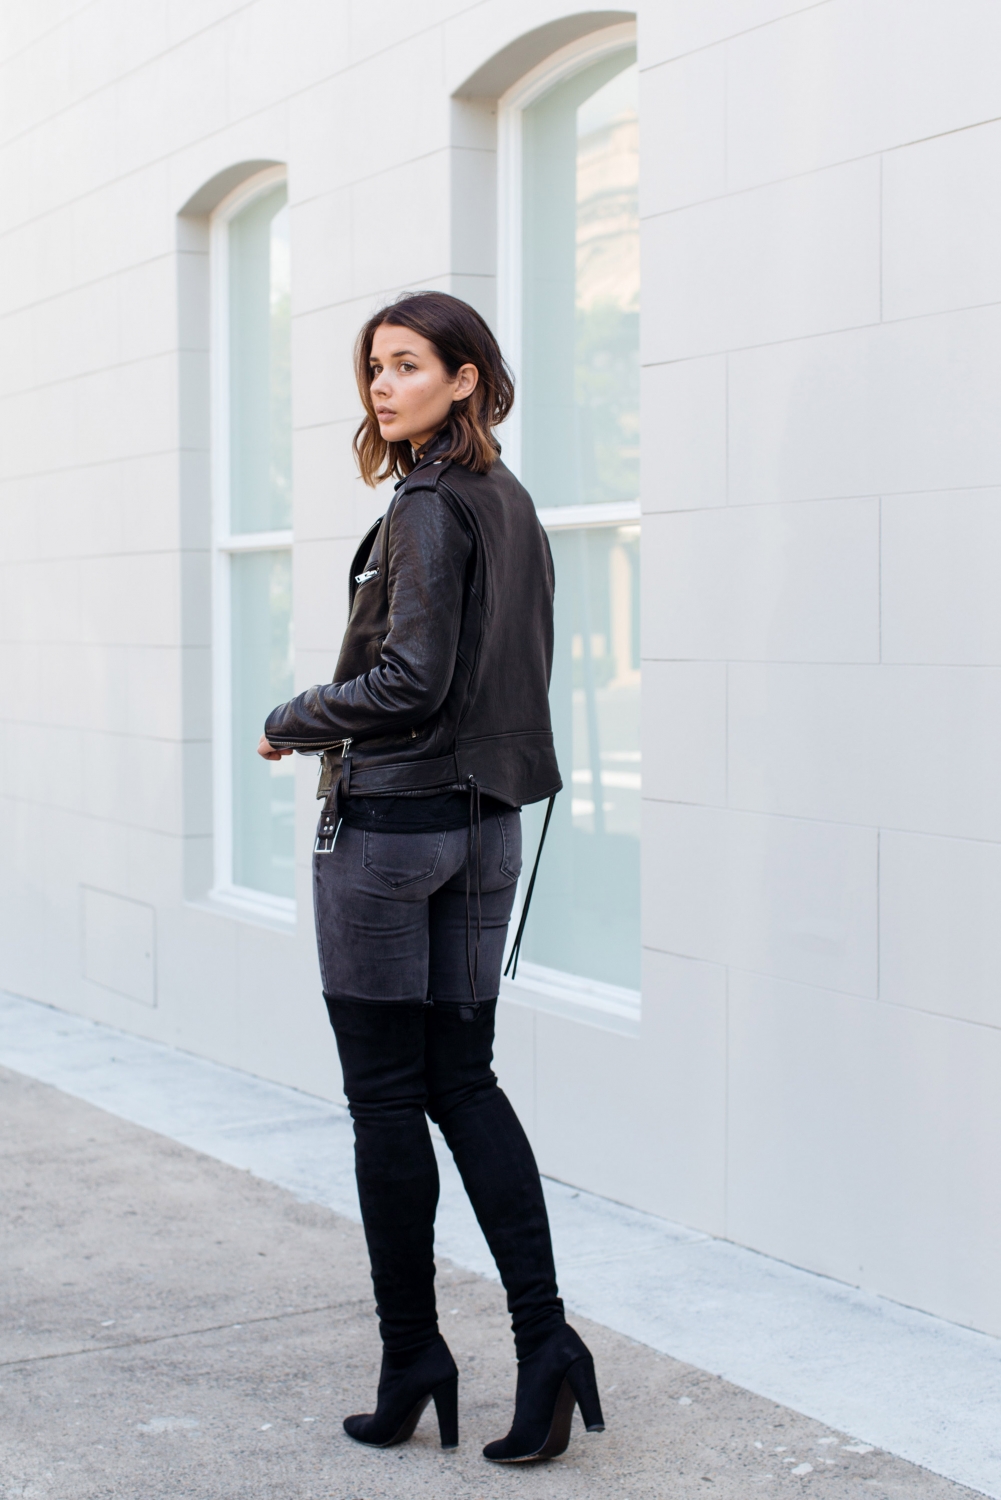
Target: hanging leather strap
473, 963
512, 962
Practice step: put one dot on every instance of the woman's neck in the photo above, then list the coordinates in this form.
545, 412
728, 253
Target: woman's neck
421, 450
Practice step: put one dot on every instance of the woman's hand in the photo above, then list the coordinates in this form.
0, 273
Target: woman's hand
268, 752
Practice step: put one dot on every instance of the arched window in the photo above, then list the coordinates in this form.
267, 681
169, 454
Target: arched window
569, 293
252, 522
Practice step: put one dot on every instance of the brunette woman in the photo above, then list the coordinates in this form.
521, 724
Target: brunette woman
435, 732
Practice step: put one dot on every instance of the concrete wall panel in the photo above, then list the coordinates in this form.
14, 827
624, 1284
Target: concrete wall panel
769, 582
684, 108
685, 404
939, 938
781, 896
939, 596
867, 745
859, 1136
837, 82
685, 714
942, 224
892, 409
781, 262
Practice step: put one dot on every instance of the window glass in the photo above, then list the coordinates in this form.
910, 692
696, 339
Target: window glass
260, 439
263, 791
580, 446
258, 580
585, 910
580, 279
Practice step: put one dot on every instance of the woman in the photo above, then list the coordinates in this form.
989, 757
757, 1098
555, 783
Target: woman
436, 731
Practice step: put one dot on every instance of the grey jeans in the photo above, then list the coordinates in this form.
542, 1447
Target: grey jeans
393, 922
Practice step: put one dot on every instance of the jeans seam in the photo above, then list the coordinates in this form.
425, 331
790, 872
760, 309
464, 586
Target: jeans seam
319, 931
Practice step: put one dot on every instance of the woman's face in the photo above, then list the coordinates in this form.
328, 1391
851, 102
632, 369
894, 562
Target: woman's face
411, 391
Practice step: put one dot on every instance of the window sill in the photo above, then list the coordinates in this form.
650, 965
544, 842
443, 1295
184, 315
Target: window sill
256, 907
609, 1007
611, 513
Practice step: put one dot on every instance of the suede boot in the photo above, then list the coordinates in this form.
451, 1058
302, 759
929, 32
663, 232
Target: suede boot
382, 1052
497, 1167
557, 1377
406, 1385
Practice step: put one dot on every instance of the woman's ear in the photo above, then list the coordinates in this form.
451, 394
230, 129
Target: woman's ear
466, 382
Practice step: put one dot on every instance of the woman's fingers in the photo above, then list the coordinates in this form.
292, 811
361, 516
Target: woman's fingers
268, 752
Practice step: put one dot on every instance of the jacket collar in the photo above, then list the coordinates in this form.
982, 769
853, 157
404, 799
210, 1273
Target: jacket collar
437, 446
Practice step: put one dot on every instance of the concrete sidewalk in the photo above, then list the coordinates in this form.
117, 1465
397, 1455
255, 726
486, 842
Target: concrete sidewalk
176, 1327
897, 1379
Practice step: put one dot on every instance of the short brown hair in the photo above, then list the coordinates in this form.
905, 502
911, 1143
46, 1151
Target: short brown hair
460, 337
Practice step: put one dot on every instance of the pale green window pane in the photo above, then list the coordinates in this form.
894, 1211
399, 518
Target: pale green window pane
263, 791
585, 910
580, 277
259, 340
580, 424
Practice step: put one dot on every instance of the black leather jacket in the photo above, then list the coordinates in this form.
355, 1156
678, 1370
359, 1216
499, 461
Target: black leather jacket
443, 675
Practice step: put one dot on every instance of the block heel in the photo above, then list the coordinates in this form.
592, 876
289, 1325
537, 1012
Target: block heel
446, 1404
585, 1388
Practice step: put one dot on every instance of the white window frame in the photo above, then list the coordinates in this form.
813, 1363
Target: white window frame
242, 901
608, 1006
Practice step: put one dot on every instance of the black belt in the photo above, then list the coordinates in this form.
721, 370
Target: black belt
341, 778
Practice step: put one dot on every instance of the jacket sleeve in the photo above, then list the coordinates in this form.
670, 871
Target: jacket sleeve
428, 549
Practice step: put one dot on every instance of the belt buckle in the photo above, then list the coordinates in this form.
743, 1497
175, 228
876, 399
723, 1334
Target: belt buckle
329, 827
330, 817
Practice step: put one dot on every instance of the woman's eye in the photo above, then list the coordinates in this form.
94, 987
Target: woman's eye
407, 366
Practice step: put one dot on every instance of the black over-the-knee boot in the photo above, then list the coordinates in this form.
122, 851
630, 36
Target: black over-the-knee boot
382, 1057
496, 1164
555, 1368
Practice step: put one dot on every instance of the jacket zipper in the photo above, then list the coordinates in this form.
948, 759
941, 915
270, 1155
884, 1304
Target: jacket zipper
287, 744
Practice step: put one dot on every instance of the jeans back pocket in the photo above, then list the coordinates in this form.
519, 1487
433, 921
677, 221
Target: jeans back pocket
510, 832
402, 859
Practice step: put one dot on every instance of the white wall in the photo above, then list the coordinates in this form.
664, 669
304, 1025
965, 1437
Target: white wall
821, 314
815, 1074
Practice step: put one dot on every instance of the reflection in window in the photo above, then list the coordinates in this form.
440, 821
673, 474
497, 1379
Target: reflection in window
260, 417
580, 446
263, 791
585, 911
580, 415
255, 552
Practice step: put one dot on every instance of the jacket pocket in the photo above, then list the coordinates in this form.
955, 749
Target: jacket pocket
402, 859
